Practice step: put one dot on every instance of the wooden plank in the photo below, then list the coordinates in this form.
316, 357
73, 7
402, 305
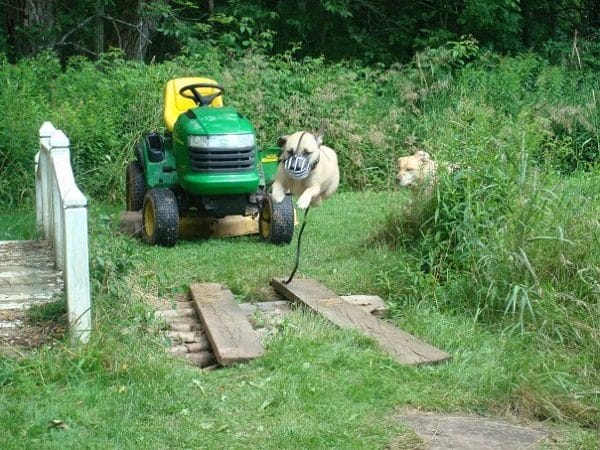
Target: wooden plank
34, 287
402, 346
29, 276
17, 248
23, 305
373, 304
27, 261
232, 338
25, 245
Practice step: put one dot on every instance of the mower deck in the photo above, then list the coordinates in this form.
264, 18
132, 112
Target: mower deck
197, 227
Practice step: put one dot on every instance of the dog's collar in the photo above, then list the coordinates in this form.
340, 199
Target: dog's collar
315, 162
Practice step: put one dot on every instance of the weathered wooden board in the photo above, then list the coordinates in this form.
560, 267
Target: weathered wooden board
232, 338
21, 296
26, 254
25, 245
373, 304
27, 274
10, 276
27, 277
402, 346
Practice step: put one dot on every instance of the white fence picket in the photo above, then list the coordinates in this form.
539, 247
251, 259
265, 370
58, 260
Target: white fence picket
61, 214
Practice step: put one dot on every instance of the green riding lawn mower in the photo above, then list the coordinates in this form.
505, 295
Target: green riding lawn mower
205, 167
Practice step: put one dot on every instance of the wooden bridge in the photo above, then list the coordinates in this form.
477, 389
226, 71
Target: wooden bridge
41, 271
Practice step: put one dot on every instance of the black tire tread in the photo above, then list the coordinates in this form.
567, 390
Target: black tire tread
282, 220
135, 186
166, 217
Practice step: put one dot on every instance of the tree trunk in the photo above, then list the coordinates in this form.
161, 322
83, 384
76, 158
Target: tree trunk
38, 13
136, 35
99, 27
27, 25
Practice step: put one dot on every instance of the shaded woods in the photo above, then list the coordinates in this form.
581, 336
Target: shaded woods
371, 31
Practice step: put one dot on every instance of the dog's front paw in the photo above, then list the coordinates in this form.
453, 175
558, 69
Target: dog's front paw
277, 197
277, 193
303, 202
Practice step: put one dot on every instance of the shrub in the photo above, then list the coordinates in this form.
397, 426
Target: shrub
502, 243
454, 101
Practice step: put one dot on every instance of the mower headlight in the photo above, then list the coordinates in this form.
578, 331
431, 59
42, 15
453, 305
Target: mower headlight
222, 141
198, 141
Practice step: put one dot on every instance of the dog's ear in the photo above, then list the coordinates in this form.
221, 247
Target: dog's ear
422, 155
319, 137
282, 140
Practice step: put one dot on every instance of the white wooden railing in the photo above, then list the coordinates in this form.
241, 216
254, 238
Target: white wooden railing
61, 214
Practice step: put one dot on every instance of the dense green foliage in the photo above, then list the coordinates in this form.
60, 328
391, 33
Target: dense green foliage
456, 101
371, 31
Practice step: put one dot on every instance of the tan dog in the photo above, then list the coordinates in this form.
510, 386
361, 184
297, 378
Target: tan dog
415, 170
308, 169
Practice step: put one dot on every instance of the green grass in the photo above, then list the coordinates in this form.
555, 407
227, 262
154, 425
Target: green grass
317, 386
18, 224
517, 230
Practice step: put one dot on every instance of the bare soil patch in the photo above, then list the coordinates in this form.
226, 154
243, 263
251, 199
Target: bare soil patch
19, 334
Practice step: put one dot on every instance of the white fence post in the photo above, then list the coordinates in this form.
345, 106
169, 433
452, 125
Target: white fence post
76, 271
60, 172
63, 215
42, 185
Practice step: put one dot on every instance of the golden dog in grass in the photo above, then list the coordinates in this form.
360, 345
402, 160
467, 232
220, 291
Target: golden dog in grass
419, 170
307, 169
416, 170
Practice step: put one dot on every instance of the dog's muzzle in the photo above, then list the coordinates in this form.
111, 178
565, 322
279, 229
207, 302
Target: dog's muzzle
297, 167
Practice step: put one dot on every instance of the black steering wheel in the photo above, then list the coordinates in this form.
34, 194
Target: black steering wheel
192, 91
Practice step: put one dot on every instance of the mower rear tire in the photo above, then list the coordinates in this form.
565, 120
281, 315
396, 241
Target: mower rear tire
276, 220
160, 216
135, 187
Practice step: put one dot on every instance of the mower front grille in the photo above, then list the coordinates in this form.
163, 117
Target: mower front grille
222, 160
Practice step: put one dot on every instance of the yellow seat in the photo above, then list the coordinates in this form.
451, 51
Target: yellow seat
176, 104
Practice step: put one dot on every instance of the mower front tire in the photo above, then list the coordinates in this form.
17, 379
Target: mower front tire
160, 216
135, 187
276, 220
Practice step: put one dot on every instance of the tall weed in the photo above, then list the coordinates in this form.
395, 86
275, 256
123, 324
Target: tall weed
502, 244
